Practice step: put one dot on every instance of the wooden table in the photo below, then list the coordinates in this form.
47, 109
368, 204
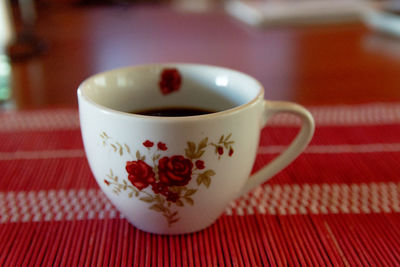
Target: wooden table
310, 65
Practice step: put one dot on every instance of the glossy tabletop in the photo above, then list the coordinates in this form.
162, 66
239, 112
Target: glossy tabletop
312, 65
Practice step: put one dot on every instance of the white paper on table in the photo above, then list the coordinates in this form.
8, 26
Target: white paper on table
276, 12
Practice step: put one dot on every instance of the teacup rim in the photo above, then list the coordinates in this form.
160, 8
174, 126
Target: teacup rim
259, 96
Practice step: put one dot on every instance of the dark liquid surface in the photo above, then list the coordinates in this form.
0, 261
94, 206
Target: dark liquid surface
173, 112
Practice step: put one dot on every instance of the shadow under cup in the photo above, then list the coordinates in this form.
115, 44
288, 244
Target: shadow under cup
171, 86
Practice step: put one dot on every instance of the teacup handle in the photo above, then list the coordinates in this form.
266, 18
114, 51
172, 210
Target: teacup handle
293, 150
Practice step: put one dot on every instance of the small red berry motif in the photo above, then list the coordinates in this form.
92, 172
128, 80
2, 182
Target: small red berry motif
170, 80
148, 144
159, 188
162, 146
163, 180
199, 164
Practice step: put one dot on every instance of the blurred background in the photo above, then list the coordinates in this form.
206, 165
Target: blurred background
315, 52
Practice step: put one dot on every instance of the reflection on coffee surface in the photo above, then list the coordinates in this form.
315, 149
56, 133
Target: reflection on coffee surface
173, 112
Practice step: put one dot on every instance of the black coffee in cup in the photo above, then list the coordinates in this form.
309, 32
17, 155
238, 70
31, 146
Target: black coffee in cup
173, 112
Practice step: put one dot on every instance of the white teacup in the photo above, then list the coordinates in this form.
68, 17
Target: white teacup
174, 175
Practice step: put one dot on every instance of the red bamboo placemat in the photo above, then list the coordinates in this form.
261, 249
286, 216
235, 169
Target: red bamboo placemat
337, 204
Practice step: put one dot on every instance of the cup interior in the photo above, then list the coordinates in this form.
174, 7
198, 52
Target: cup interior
139, 88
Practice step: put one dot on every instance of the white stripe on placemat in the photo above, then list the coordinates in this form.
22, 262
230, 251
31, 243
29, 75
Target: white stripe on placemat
43, 120
367, 114
319, 199
44, 154
285, 199
273, 149
62, 119
334, 149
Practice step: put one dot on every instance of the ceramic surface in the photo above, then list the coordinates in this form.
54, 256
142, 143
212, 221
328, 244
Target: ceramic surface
174, 175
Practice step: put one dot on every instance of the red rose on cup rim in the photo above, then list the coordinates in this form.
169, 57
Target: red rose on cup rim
170, 80
175, 170
140, 174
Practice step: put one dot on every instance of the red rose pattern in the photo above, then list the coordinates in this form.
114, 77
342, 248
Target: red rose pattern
172, 171
140, 175
170, 81
167, 176
175, 170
